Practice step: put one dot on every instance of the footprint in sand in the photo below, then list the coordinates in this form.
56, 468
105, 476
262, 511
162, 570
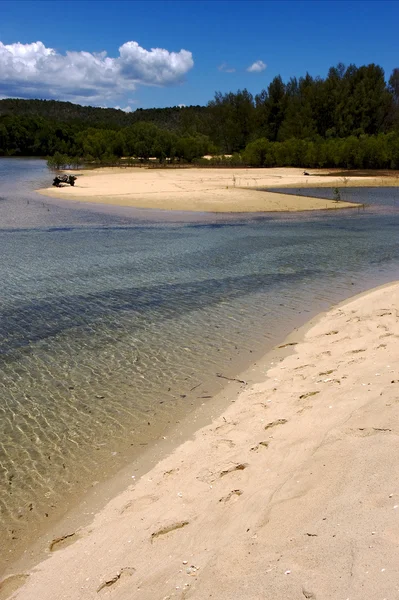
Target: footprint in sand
384, 312
340, 340
63, 541
139, 503
111, 581
11, 584
239, 467
308, 594
171, 472
308, 394
368, 431
276, 423
299, 412
232, 494
168, 529
259, 446
226, 442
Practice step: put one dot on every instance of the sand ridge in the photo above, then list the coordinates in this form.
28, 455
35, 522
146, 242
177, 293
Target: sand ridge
292, 493
200, 190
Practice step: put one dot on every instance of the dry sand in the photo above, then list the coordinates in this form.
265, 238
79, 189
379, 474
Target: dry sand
201, 190
292, 493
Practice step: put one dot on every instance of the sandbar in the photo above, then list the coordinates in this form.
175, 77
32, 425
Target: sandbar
202, 190
293, 492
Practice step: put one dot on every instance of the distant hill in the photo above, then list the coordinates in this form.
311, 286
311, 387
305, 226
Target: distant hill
172, 118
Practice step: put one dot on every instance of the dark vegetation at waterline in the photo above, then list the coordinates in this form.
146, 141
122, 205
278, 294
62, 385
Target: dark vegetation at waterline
350, 119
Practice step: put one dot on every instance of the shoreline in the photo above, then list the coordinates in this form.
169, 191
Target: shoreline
225, 190
247, 409
79, 512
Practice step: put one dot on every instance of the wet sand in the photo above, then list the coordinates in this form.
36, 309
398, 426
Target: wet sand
292, 492
201, 190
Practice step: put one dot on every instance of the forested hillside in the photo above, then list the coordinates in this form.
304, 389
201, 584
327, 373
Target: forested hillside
348, 119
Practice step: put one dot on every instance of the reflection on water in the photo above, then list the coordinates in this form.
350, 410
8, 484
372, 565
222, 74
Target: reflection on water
112, 326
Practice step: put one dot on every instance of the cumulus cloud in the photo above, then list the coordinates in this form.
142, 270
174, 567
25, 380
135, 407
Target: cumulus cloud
34, 71
224, 67
257, 67
126, 109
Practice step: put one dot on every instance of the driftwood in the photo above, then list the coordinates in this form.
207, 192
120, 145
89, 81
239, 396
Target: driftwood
64, 179
231, 378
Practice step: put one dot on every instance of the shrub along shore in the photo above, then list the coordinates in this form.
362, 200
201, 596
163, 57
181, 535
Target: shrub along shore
365, 152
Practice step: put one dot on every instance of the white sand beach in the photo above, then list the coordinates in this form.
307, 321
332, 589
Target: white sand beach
202, 190
293, 492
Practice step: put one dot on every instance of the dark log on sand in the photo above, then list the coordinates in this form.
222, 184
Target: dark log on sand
64, 179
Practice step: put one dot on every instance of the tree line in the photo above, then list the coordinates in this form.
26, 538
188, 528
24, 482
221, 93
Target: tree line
348, 119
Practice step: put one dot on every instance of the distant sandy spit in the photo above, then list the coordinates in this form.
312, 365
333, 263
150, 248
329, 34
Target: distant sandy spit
200, 190
292, 493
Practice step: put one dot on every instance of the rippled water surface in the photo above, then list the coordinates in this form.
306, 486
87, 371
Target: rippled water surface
115, 323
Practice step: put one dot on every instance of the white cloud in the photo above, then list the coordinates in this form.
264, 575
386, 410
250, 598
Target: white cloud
34, 71
224, 67
257, 67
126, 109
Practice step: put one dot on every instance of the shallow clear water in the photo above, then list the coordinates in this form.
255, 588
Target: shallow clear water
115, 322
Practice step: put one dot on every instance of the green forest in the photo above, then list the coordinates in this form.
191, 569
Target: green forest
349, 119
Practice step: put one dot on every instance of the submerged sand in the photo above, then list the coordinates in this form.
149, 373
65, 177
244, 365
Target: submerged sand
292, 493
201, 190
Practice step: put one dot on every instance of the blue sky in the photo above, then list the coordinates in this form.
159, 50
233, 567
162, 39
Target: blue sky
221, 41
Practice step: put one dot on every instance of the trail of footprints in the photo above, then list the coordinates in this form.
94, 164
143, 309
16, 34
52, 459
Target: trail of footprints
228, 471
237, 467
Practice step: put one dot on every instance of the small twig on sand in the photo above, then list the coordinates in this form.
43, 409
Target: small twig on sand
231, 378
289, 344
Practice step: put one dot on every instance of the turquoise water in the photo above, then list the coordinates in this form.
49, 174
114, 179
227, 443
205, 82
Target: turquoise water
114, 322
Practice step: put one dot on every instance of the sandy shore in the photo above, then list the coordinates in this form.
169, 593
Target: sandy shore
292, 493
201, 190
